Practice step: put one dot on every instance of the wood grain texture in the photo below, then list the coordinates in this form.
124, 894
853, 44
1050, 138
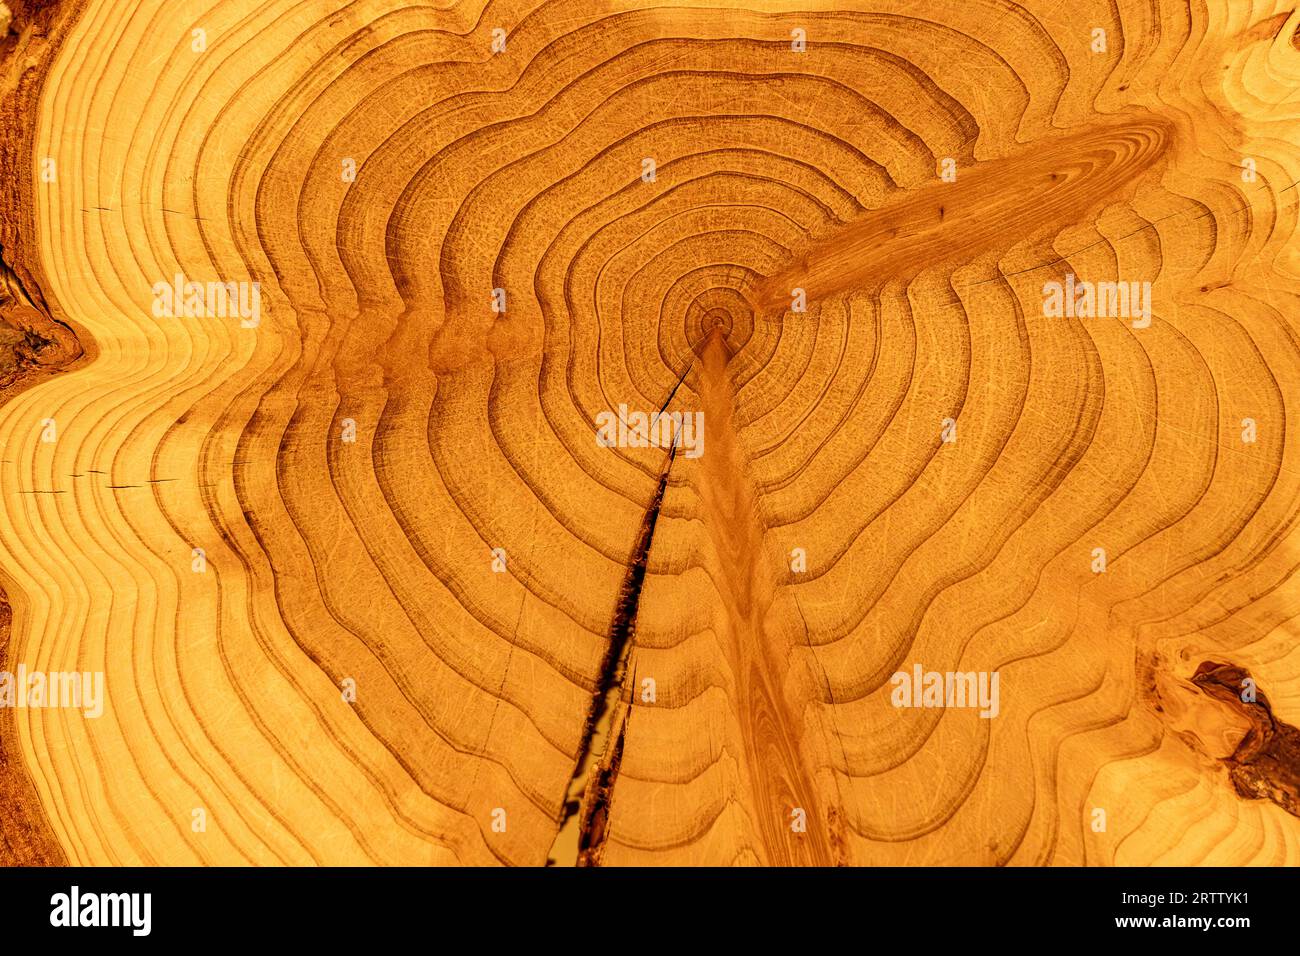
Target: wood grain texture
33, 345
574, 653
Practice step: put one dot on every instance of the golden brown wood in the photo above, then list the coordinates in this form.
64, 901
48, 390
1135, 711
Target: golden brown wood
633, 655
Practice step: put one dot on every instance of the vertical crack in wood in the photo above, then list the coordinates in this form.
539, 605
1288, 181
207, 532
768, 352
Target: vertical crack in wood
581, 830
